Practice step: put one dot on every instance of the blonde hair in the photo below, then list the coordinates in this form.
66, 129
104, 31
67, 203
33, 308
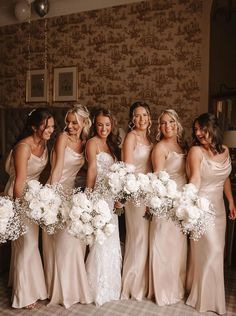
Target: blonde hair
81, 110
180, 131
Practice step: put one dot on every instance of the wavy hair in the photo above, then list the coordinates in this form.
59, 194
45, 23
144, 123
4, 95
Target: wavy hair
113, 139
81, 110
180, 131
132, 109
210, 125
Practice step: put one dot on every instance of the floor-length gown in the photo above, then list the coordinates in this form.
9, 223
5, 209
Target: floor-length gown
168, 247
103, 264
26, 269
205, 276
63, 254
135, 266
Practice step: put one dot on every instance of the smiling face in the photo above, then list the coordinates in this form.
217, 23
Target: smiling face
141, 118
168, 126
202, 136
46, 129
103, 126
74, 123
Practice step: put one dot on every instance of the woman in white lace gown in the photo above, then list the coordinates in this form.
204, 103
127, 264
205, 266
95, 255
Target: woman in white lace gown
104, 261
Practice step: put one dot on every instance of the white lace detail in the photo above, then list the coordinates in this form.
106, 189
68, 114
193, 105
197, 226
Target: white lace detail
104, 261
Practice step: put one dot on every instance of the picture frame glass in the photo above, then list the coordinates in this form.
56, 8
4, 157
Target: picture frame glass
37, 85
65, 84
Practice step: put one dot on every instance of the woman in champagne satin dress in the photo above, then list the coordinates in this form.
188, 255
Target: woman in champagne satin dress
26, 162
209, 167
168, 245
103, 263
136, 150
64, 265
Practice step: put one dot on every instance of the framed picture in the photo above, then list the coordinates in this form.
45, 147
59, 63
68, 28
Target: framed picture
65, 84
37, 85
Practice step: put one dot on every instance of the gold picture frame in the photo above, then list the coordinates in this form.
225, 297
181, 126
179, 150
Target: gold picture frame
65, 84
37, 85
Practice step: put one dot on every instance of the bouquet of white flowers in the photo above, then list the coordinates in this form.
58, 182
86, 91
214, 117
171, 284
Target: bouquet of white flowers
11, 222
89, 218
158, 192
193, 214
43, 205
121, 183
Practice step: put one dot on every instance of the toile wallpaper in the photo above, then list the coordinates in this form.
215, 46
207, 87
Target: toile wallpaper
149, 50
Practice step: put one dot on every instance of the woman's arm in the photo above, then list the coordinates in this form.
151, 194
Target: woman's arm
58, 156
128, 148
158, 157
21, 155
91, 152
194, 159
229, 196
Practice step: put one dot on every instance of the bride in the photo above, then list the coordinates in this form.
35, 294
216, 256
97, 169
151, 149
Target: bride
104, 261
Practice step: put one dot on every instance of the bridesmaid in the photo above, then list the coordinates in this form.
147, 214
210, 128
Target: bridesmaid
136, 150
63, 254
168, 246
26, 162
104, 261
209, 167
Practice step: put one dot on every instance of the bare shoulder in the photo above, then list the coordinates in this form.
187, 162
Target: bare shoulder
195, 152
91, 144
130, 138
160, 147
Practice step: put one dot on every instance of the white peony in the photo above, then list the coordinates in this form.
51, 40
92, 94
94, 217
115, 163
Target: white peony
131, 184
109, 229
155, 202
163, 176
203, 204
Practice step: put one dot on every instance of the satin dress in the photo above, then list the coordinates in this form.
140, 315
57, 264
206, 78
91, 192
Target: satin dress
135, 265
168, 247
63, 254
26, 269
205, 278
103, 263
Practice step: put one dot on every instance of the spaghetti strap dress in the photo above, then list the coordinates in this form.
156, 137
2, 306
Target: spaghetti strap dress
135, 265
168, 247
63, 254
26, 269
205, 278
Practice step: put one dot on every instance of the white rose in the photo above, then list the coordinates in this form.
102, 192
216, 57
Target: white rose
130, 168
46, 194
194, 213
158, 187
36, 213
109, 229
28, 196
98, 221
49, 218
131, 184
114, 182
88, 229
85, 217
76, 228
155, 202
6, 208
34, 186
163, 176
75, 212
101, 207
143, 179
203, 204
190, 191
80, 199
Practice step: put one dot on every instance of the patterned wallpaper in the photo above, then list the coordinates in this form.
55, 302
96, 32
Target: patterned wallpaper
149, 50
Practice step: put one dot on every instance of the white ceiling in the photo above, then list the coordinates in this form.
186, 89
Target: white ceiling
57, 7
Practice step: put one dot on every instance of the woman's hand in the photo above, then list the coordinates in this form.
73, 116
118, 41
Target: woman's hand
232, 211
118, 204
